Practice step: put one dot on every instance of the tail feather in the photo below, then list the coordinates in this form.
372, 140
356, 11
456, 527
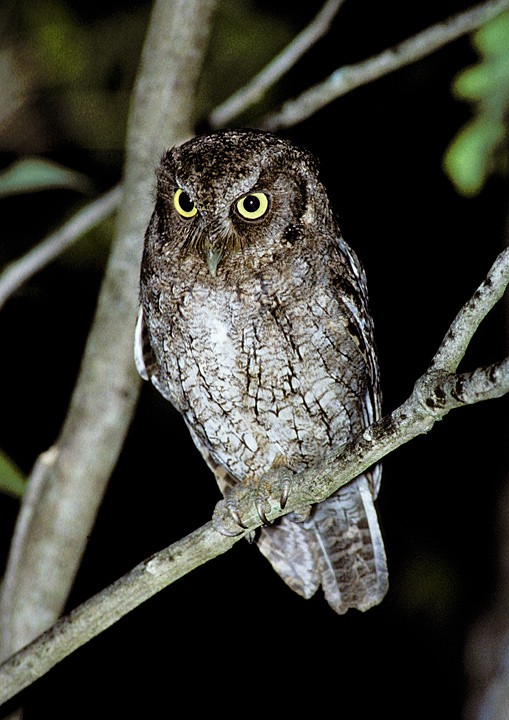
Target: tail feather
351, 555
339, 546
288, 547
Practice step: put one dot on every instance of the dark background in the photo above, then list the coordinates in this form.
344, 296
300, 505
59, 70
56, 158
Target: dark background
232, 625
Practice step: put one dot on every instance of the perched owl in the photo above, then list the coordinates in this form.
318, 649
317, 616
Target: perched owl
254, 324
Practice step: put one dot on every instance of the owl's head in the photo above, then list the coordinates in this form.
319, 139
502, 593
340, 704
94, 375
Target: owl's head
235, 191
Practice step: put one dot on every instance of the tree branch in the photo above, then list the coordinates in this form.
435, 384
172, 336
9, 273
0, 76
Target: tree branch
68, 481
350, 77
19, 271
258, 86
434, 395
466, 322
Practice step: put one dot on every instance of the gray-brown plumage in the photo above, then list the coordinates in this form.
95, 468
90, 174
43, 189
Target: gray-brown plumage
254, 323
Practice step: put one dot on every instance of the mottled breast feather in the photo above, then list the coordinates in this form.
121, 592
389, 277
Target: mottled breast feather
254, 323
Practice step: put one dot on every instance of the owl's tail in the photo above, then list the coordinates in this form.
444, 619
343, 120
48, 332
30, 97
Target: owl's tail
339, 546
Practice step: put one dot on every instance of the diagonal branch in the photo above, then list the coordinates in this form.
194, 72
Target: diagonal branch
434, 395
258, 86
466, 322
69, 480
349, 77
19, 271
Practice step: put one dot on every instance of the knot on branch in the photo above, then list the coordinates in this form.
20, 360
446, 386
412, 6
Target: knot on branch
439, 391
432, 400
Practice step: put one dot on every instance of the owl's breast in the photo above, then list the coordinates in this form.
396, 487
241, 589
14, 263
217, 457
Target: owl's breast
260, 375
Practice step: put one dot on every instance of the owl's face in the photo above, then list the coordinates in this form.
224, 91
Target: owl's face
234, 192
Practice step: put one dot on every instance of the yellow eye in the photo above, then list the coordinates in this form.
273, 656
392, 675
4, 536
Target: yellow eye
253, 206
184, 205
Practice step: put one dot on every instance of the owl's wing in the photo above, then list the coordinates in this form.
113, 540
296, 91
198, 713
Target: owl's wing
354, 299
339, 546
142, 347
344, 530
144, 357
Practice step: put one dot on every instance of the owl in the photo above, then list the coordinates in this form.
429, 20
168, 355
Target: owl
254, 324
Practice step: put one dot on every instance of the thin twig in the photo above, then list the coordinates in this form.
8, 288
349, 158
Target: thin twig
434, 395
466, 322
19, 271
349, 77
258, 86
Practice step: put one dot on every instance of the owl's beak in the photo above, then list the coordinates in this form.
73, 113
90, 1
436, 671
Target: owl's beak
213, 255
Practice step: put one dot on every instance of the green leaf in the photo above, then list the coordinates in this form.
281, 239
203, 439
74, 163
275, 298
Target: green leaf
493, 38
475, 82
35, 174
480, 147
12, 480
468, 160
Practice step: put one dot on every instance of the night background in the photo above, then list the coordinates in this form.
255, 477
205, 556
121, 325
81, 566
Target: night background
232, 625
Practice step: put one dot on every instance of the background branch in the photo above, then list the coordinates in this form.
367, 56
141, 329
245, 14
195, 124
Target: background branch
68, 481
349, 77
19, 271
260, 83
434, 395
339, 83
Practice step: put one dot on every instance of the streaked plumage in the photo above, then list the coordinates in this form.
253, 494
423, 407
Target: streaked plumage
254, 323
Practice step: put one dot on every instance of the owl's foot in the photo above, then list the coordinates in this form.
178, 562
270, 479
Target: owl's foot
228, 518
226, 513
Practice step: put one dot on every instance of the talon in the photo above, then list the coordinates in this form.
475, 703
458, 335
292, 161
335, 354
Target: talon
224, 514
228, 533
285, 492
235, 515
261, 513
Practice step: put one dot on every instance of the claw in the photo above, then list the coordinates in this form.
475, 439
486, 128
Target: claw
235, 515
285, 492
228, 533
224, 514
260, 509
